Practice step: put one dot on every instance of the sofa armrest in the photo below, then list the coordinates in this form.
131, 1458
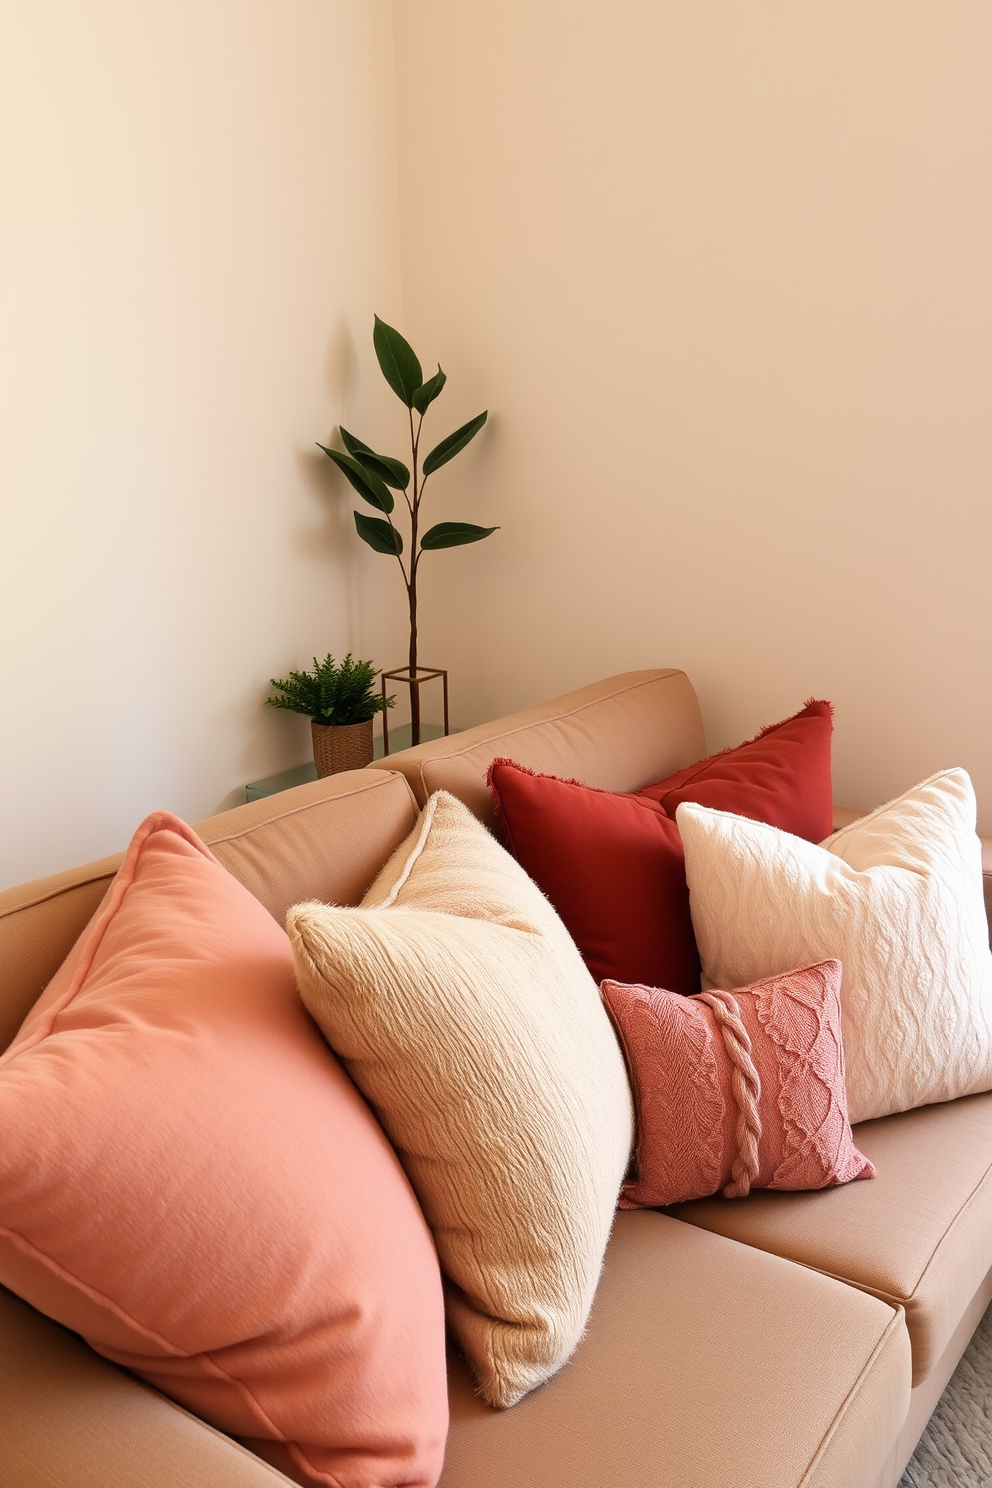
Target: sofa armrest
67, 1416
844, 815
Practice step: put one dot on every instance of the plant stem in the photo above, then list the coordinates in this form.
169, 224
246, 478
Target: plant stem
414, 689
412, 587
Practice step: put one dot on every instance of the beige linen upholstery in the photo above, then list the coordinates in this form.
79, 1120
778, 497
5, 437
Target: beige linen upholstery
71, 1420
39, 921
845, 815
326, 840
919, 1235
618, 734
697, 1371
926, 1394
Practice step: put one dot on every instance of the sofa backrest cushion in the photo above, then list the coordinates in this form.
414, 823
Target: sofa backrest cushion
326, 840
618, 734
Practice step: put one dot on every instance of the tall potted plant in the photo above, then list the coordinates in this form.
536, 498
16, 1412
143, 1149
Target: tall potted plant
375, 477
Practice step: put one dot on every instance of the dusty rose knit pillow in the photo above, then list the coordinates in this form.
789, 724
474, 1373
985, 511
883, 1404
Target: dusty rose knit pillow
737, 1090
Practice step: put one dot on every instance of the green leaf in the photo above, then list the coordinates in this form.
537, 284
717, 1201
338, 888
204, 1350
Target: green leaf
379, 535
398, 361
333, 693
454, 535
367, 484
428, 391
393, 472
450, 447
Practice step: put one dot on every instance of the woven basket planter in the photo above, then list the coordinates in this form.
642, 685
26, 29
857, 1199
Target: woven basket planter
345, 746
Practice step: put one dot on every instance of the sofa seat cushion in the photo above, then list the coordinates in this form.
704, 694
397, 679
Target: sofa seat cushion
706, 1364
919, 1235
69, 1417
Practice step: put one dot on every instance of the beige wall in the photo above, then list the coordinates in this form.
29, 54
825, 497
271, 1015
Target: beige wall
199, 217
722, 273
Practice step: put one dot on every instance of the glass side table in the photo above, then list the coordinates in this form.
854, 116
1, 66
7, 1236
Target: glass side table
399, 738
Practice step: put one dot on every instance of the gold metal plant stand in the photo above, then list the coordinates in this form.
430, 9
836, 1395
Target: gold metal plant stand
412, 680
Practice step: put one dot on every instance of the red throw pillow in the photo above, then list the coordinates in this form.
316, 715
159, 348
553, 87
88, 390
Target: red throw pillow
737, 1090
781, 777
612, 864
189, 1179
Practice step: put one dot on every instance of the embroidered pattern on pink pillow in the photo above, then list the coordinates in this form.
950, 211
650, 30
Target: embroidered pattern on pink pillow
737, 1090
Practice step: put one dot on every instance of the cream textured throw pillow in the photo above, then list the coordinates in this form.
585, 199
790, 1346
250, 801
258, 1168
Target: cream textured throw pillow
897, 898
463, 1011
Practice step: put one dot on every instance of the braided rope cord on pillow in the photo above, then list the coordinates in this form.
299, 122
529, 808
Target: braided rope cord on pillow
746, 1086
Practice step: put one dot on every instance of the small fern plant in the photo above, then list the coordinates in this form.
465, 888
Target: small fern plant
334, 693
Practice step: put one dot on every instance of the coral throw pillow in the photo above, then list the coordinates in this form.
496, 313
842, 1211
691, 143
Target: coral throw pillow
462, 1008
612, 864
189, 1179
897, 898
737, 1090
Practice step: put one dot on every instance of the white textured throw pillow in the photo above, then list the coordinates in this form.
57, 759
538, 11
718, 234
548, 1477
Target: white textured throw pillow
897, 898
464, 1012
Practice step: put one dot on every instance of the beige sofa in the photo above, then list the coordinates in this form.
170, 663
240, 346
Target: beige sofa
781, 1340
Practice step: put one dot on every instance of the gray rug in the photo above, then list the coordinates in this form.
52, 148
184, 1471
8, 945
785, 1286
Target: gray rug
955, 1451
